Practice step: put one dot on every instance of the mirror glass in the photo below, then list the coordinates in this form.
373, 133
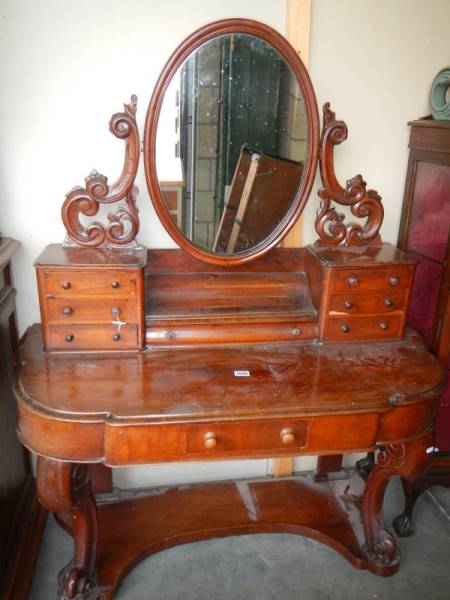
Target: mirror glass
232, 142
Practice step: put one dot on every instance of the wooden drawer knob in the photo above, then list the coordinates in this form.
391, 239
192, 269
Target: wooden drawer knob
116, 337
388, 302
345, 328
348, 304
384, 326
287, 436
67, 311
210, 440
115, 284
65, 285
69, 337
393, 281
352, 281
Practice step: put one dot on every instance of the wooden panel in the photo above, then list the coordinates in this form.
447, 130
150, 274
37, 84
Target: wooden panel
72, 282
363, 327
394, 278
430, 135
211, 294
63, 440
385, 255
357, 303
406, 421
78, 309
73, 337
279, 260
91, 258
329, 463
345, 433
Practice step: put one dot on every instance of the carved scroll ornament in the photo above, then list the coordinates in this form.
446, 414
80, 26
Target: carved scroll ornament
123, 225
363, 203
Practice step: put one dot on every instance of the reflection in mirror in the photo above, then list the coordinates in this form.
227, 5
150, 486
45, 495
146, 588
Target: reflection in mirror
232, 141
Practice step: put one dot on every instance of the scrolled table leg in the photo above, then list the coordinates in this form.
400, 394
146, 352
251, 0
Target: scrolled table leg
404, 523
407, 460
65, 488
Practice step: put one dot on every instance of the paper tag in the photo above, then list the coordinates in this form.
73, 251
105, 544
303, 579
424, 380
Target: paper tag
242, 373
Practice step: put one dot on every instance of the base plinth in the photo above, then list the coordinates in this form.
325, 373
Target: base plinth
136, 524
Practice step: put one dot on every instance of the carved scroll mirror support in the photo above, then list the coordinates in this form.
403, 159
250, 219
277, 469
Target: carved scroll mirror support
123, 225
363, 203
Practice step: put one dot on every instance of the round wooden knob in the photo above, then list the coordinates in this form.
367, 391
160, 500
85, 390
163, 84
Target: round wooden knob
115, 284
67, 311
388, 302
65, 285
393, 281
287, 436
210, 440
352, 281
384, 326
345, 328
69, 337
116, 337
348, 304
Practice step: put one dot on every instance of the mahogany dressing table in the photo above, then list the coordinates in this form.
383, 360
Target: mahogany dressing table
203, 353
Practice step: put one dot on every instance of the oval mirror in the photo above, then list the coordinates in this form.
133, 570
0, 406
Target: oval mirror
231, 141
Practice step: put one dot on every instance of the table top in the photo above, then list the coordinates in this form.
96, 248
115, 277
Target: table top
227, 382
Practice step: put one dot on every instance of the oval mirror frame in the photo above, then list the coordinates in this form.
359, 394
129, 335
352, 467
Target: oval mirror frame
187, 47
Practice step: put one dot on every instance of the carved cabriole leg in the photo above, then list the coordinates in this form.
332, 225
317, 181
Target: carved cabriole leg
404, 523
406, 460
65, 488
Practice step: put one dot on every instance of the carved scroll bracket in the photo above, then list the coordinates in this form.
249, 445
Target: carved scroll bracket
123, 225
363, 203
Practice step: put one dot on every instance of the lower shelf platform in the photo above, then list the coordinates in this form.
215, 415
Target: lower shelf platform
139, 523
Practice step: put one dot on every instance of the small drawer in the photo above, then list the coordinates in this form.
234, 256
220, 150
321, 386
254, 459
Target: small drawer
90, 337
363, 328
388, 279
78, 309
360, 304
179, 333
87, 282
247, 436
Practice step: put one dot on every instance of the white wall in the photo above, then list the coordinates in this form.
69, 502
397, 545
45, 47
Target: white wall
66, 66
375, 61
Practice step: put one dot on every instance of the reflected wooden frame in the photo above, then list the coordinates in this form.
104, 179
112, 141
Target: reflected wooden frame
194, 41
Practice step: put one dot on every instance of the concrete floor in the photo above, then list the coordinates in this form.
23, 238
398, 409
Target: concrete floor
287, 567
